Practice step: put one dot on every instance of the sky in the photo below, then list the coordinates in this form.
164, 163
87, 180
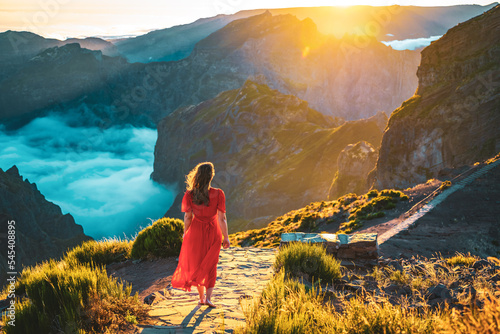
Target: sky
80, 18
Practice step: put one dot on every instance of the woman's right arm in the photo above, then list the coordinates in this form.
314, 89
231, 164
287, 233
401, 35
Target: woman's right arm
221, 217
188, 218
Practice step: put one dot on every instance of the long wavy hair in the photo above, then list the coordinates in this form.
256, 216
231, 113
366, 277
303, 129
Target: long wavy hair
198, 182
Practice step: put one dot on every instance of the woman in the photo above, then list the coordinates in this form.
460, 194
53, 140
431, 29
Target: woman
205, 223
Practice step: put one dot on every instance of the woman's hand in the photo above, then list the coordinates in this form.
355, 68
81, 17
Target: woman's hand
226, 244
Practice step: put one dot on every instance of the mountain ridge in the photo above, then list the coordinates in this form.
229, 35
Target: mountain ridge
42, 230
312, 66
458, 93
250, 135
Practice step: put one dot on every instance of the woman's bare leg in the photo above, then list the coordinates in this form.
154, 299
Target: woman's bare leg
209, 296
201, 291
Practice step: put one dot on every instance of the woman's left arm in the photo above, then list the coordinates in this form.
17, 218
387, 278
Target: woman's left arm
188, 218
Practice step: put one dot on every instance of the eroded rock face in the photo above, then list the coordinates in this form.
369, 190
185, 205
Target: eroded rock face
354, 163
42, 230
272, 152
454, 117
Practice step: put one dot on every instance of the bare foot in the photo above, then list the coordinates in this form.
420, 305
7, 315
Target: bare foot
202, 302
209, 303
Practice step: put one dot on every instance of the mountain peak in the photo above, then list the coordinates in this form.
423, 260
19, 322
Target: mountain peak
65, 53
13, 171
237, 32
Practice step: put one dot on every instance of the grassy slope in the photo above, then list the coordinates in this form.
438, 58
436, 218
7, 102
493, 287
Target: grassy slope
348, 211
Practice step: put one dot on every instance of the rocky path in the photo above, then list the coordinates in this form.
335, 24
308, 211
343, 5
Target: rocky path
242, 274
406, 223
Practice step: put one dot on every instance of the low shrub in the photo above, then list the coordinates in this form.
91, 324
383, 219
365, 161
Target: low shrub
163, 238
368, 317
100, 252
475, 320
462, 260
302, 259
308, 222
286, 306
373, 207
444, 185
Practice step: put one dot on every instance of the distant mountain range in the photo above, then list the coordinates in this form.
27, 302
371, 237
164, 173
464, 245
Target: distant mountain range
385, 23
336, 76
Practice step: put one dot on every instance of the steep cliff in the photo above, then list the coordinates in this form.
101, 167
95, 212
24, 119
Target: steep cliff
354, 164
453, 118
41, 230
272, 152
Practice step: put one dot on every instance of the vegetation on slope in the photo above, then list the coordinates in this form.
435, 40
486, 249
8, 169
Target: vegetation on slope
454, 295
75, 294
349, 211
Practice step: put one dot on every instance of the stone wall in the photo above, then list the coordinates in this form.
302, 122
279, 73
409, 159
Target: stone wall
357, 249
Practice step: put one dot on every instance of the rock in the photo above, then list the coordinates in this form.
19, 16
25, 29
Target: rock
395, 265
354, 163
495, 278
454, 285
395, 289
480, 264
149, 299
456, 95
42, 230
438, 302
439, 267
438, 291
470, 291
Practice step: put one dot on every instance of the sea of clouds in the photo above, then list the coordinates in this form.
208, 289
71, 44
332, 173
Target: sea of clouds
411, 44
100, 176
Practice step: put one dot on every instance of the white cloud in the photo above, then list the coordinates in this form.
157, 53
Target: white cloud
411, 44
99, 176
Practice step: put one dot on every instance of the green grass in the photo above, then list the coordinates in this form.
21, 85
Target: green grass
161, 239
309, 261
286, 306
289, 305
75, 294
310, 218
62, 293
462, 260
101, 252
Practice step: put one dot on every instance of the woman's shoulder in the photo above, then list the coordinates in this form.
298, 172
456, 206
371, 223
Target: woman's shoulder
216, 190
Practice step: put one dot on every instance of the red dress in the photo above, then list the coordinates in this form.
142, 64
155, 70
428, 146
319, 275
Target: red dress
202, 242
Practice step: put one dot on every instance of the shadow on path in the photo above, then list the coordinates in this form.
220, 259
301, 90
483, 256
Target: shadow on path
185, 322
